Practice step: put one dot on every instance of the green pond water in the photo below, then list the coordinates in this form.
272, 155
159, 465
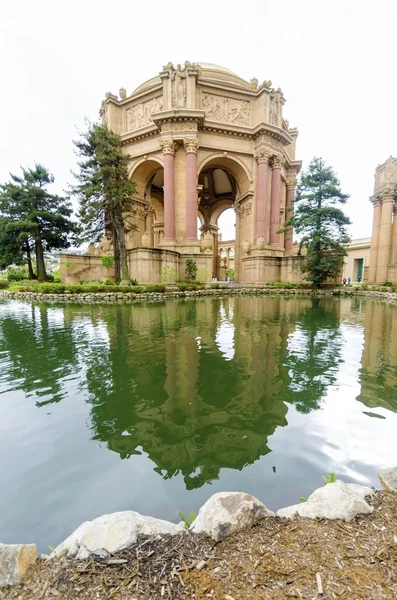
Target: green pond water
154, 407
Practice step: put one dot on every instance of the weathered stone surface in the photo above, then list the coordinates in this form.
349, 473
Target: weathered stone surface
227, 512
112, 533
388, 478
337, 500
14, 561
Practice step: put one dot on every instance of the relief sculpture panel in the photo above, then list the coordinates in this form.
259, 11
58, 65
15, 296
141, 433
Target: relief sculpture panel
228, 110
141, 115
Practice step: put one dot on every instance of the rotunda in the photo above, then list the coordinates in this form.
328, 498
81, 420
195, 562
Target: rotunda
201, 140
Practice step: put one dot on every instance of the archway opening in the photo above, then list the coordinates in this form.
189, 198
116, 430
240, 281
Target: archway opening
147, 226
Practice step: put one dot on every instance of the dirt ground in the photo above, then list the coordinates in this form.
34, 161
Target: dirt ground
277, 559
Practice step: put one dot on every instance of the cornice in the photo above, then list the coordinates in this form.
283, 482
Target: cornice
179, 114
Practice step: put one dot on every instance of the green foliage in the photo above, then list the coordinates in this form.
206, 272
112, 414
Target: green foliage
330, 479
187, 520
202, 275
69, 265
302, 499
321, 222
159, 289
169, 275
107, 261
215, 286
364, 286
17, 273
188, 287
133, 282
229, 274
3, 284
388, 283
51, 549
34, 219
104, 190
190, 269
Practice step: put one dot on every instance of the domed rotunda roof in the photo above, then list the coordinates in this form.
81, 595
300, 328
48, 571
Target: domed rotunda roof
209, 71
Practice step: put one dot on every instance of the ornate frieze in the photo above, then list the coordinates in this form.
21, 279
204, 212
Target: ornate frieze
141, 114
179, 126
168, 146
227, 110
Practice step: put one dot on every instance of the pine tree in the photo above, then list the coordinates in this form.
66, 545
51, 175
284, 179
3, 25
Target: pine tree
322, 225
104, 190
32, 218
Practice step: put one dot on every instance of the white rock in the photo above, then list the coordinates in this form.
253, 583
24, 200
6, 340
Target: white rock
388, 479
227, 512
112, 533
336, 500
14, 561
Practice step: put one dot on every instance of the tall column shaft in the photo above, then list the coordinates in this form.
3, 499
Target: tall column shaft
393, 254
275, 202
169, 190
384, 239
289, 232
149, 227
373, 257
191, 147
261, 194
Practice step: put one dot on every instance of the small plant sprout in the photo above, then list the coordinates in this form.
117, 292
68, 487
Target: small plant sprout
187, 520
330, 479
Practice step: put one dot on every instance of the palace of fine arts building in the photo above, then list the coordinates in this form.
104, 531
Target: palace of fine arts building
202, 140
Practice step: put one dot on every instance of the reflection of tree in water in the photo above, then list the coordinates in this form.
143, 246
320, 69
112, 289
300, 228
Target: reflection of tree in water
41, 350
314, 354
175, 396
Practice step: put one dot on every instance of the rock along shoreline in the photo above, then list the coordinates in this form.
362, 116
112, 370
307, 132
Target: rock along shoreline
129, 297
224, 516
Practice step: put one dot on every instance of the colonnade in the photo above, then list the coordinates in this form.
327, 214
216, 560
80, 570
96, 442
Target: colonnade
169, 148
384, 236
264, 230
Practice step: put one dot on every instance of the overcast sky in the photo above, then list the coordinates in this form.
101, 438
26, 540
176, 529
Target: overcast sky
335, 61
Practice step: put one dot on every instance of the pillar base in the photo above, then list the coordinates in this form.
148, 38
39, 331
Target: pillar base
167, 243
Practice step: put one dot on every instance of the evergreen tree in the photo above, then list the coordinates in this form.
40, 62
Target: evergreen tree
322, 223
32, 218
104, 190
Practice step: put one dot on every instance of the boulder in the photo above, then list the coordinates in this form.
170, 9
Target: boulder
112, 533
388, 478
336, 500
227, 512
14, 561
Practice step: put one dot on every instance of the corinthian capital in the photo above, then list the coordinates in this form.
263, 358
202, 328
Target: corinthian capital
291, 183
168, 146
262, 156
277, 161
191, 145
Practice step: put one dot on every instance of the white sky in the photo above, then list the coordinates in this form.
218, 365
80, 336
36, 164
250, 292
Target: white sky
335, 61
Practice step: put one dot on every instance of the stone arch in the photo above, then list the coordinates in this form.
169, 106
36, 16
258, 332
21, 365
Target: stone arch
218, 210
142, 171
233, 165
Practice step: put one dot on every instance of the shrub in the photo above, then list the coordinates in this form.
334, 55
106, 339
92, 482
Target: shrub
159, 289
190, 269
69, 265
168, 275
364, 286
57, 275
17, 273
388, 283
215, 286
107, 261
187, 287
133, 282
3, 284
49, 288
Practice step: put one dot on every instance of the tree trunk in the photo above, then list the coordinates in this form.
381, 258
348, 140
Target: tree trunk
124, 275
41, 274
29, 257
116, 253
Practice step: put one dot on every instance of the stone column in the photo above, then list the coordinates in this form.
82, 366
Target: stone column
385, 237
149, 226
275, 200
191, 148
228, 258
373, 257
169, 190
393, 254
289, 232
262, 158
